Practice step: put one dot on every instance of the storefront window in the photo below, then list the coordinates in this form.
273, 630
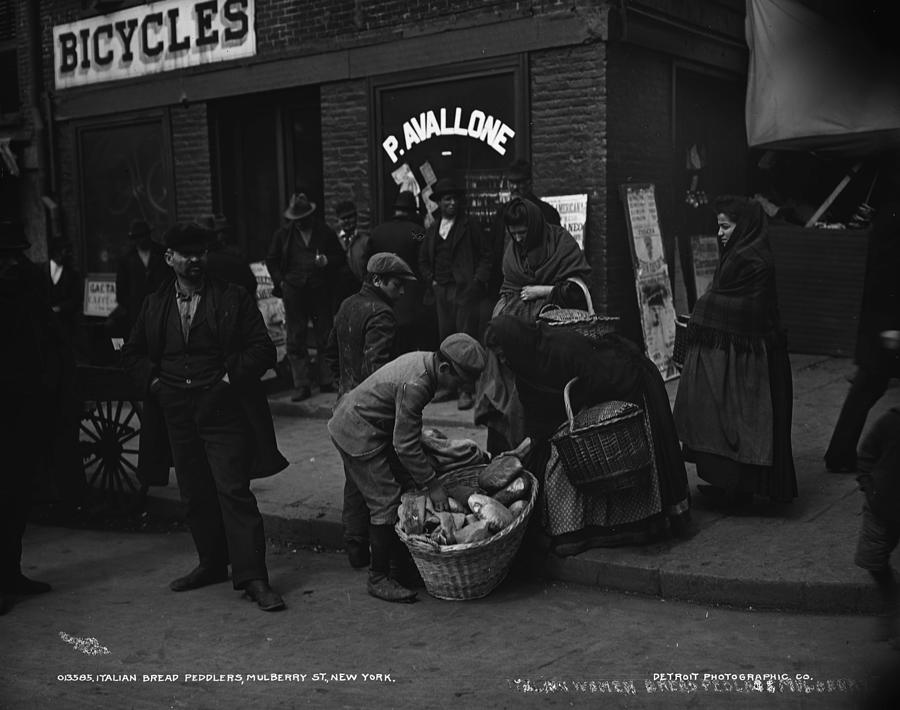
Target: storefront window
469, 128
124, 176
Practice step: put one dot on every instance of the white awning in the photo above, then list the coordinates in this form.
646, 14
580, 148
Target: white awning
814, 86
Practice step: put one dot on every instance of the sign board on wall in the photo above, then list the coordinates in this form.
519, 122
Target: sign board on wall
99, 294
705, 257
654, 291
572, 214
152, 38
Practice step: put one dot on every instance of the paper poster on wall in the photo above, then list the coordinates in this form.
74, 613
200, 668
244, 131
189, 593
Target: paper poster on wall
705, 259
654, 291
99, 295
271, 307
572, 214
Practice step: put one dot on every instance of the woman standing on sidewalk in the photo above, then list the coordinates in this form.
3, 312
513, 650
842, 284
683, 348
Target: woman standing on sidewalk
733, 408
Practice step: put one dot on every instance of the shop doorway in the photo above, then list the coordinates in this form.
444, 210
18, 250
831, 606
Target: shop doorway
710, 155
264, 148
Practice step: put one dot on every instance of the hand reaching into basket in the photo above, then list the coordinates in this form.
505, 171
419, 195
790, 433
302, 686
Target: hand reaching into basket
439, 499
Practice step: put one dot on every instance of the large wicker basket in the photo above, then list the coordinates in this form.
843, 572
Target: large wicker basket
586, 322
470, 570
605, 448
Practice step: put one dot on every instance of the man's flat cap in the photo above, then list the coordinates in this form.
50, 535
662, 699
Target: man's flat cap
465, 353
384, 263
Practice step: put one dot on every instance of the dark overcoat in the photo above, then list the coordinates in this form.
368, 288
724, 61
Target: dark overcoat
362, 339
238, 326
403, 237
134, 282
323, 240
471, 254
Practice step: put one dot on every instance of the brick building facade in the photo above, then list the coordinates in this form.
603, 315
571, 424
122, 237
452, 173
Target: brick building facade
596, 88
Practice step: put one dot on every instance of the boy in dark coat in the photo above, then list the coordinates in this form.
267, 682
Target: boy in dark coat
361, 341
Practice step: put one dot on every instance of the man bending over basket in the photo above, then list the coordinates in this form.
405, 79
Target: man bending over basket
377, 429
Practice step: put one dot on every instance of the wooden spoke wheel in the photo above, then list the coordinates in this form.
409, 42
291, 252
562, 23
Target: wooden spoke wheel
108, 438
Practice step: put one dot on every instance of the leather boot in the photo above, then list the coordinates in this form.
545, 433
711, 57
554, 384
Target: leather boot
380, 584
403, 567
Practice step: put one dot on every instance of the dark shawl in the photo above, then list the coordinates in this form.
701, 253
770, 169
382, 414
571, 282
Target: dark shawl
545, 358
549, 255
740, 308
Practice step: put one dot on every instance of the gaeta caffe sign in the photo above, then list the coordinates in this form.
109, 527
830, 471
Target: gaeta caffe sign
152, 38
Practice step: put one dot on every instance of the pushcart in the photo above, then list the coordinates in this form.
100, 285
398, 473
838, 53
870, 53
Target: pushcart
109, 432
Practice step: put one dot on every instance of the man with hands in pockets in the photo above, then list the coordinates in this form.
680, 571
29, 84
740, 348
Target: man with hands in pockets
198, 350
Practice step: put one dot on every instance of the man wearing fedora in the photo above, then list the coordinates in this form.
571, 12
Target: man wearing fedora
142, 269
456, 261
303, 260
362, 340
29, 378
403, 235
198, 350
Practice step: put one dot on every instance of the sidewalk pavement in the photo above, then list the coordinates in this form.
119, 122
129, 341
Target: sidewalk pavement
797, 556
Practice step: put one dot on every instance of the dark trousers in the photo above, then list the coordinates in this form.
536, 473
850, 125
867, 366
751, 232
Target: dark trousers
302, 304
866, 390
19, 447
211, 450
454, 317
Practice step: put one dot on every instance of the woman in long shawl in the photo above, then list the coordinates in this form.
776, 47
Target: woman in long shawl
541, 264
540, 261
733, 408
543, 359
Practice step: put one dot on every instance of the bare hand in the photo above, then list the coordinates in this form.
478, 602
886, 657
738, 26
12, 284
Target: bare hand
439, 499
321, 260
531, 293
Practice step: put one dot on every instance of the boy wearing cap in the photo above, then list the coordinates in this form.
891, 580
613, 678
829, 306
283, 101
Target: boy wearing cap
198, 350
377, 429
361, 341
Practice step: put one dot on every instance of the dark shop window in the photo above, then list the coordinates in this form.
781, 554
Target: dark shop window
465, 127
125, 175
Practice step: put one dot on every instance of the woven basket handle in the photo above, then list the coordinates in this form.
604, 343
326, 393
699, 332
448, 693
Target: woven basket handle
568, 403
587, 294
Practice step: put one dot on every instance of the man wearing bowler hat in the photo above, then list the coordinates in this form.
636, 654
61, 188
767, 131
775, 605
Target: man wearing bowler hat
142, 270
377, 430
403, 235
198, 350
355, 244
456, 260
304, 259
362, 340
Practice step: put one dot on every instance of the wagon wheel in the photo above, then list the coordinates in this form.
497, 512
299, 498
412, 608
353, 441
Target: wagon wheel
109, 448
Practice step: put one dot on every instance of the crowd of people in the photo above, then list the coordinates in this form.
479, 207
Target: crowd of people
405, 315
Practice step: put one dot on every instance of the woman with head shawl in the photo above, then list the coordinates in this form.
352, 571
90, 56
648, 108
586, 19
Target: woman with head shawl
733, 408
543, 359
539, 262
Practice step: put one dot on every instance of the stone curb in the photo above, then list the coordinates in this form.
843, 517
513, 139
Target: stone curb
592, 570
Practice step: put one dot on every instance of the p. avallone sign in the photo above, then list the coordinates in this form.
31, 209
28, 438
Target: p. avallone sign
152, 38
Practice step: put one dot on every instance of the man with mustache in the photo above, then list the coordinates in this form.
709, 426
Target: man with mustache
198, 350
